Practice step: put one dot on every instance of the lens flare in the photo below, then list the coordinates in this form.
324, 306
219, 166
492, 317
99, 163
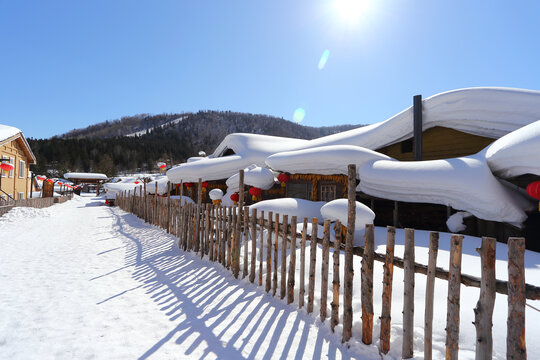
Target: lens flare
324, 59
299, 115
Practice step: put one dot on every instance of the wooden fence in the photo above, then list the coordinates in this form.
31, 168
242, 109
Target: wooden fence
5, 206
216, 232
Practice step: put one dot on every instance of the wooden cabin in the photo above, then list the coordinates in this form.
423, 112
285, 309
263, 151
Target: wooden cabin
14, 149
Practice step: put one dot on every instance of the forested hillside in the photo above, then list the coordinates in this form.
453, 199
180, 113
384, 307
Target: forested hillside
171, 138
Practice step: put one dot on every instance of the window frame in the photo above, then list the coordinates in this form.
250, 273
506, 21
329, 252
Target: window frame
4, 173
22, 168
12, 172
325, 189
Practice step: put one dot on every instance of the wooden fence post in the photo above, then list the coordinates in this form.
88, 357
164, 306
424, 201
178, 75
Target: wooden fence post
483, 313
168, 207
454, 286
408, 295
324, 269
230, 235
334, 319
261, 248
312, 263
276, 246
302, 291
155, 204
283, 288
515, 340
430, 293
246, 242
269, 253
292, 263
367, 285
198, 217
253, 244
386, 310
236, 262
349, 243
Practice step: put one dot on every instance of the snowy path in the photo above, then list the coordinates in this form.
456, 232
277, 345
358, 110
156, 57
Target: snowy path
81, 281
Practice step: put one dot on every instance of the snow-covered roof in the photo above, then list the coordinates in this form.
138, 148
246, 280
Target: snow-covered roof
7, 132
516, 153
464, 183
489, 112
254, 175
325, 160
85, 176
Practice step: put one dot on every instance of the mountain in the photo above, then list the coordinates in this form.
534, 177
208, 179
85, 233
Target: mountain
137, 143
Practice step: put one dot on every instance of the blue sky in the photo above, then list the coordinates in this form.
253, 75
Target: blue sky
70, 64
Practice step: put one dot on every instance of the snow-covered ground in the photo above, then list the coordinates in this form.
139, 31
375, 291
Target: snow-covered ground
84, 281
81, 280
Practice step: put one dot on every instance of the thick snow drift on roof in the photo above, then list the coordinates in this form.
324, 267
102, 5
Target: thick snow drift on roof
248, 148
208, 169
490, 112
291, 207
339, 209
516, 153
464, 183
326, 160
254, 175
88, 176
8, 131
120, 186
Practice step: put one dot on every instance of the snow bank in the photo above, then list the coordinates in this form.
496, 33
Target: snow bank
88, 176
216, 194
455, 221
325, 160
291, 207
339, 209
254, 175
516, 153
464, 183
8, 131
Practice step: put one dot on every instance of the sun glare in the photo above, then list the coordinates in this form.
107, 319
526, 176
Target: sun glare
351, 10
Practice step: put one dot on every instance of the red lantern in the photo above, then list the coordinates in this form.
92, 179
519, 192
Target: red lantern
284, 178
6, 166
235, 197
255, 191
50, 181
136, 182
189, 185
59, 183
533, 189
204, 184
41, 178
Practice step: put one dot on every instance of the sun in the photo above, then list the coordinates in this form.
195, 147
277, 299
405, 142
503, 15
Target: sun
351, 10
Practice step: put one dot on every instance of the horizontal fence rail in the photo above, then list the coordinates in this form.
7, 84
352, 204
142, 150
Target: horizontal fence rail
262, 248
39, 203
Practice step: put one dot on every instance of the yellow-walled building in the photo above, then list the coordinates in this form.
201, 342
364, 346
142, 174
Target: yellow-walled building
14, 149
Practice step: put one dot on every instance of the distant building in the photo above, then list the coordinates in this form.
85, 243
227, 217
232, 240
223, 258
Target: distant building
14, 149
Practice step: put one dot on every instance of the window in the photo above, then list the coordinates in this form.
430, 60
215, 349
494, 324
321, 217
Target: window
328, 192
299, 190
21, 168
20, 196
12, 162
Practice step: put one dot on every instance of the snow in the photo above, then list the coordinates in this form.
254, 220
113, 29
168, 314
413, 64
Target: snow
215, 194
464, 183
143, 132
262, 178
86, 176
516, 153
8, 131
325, 160
292, 207
455, 221
185, 199
339, 210
85, 281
